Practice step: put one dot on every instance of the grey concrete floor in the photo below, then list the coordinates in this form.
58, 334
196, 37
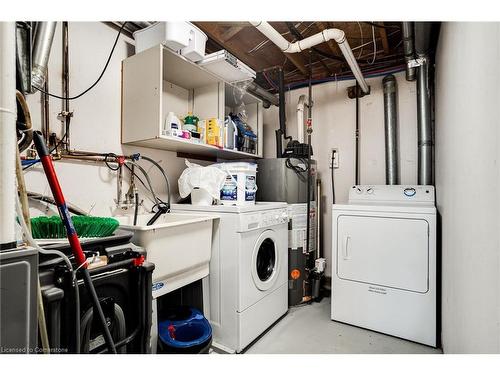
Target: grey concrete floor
308, 330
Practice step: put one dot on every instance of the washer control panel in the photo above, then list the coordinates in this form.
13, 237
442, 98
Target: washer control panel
263, 219
392, 194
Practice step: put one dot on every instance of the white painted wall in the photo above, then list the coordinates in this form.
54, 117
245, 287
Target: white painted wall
468, 184
334, 127
96, 125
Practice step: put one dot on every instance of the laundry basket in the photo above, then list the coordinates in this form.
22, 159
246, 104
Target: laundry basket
184, 331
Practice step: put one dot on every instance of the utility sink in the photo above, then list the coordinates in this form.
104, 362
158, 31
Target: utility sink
179, 245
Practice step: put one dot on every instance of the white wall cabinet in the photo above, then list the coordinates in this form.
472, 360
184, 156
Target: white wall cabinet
157, 81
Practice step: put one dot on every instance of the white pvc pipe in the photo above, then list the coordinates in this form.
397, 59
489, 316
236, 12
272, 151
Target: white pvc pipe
301, 105
7, 132
338, 35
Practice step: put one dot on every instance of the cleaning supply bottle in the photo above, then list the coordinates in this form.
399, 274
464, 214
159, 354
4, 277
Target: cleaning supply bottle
214, 132
190, 123
172, 125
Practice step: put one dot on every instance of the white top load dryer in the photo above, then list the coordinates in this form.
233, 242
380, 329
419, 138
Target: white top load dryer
384, 261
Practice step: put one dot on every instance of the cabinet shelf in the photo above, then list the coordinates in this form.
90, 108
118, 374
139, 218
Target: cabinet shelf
157, 81
185, 146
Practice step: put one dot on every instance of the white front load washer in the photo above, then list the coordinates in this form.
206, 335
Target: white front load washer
248, 279
384, 261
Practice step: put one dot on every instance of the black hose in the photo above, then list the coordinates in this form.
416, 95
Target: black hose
97, 307
136, 195
164, 176
77, 311
333, 186
357, 136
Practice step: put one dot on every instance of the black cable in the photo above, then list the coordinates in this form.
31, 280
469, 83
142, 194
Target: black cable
98, 79
107, 162
136, 210
356, 177
333, 184
77, 312
296, 168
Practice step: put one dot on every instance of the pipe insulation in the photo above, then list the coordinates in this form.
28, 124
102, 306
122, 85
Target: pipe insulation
7, 134
409, 50
41, 51
391, 130
336, 34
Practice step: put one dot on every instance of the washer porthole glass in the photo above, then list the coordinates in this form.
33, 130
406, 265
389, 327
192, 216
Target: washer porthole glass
266, 259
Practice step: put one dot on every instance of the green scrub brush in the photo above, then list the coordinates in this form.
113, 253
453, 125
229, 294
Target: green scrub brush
85, 226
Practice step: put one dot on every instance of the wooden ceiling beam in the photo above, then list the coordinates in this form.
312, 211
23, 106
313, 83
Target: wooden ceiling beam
385, 40
331, 44
231, 32
296, 60
210, 28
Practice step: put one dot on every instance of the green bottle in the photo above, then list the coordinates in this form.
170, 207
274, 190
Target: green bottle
190, 122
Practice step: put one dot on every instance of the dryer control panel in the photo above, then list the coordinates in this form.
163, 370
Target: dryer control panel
392, 194
263, 219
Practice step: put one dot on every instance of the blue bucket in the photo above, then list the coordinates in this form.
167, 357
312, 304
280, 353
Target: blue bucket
185, 330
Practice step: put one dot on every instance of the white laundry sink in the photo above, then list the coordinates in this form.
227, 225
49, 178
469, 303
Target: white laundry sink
179, 245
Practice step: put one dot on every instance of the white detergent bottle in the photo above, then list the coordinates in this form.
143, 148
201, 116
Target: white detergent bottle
172, 124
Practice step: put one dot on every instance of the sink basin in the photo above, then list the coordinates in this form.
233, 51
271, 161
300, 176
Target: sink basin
179, 245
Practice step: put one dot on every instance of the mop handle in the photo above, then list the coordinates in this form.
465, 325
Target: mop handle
48, 167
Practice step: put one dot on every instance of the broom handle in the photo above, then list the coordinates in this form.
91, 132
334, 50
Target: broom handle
74, 242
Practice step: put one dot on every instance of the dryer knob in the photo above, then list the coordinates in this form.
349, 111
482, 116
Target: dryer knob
359, 190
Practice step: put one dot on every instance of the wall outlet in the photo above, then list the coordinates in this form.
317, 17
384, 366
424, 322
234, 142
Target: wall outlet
334, 158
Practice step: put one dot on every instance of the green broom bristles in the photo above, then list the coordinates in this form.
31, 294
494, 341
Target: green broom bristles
85, 226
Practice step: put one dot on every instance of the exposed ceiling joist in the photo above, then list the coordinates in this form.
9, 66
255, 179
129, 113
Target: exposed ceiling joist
231, 32
385, 40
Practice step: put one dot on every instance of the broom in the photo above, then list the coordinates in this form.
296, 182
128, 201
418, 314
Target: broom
85, 226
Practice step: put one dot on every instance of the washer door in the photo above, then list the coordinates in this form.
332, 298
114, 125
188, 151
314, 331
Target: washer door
265, 261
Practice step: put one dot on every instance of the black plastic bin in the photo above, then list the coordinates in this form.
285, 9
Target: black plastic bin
184, 330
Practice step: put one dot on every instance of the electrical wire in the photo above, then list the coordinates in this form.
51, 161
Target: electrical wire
271, 83
98, 79
374, 46
361, 38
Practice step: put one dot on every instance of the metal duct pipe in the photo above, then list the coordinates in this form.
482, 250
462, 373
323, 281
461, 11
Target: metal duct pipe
7, 135
408, 48
258, 91
424, 127
423, 32
391, 130
422, 49
41, 51
324, 36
